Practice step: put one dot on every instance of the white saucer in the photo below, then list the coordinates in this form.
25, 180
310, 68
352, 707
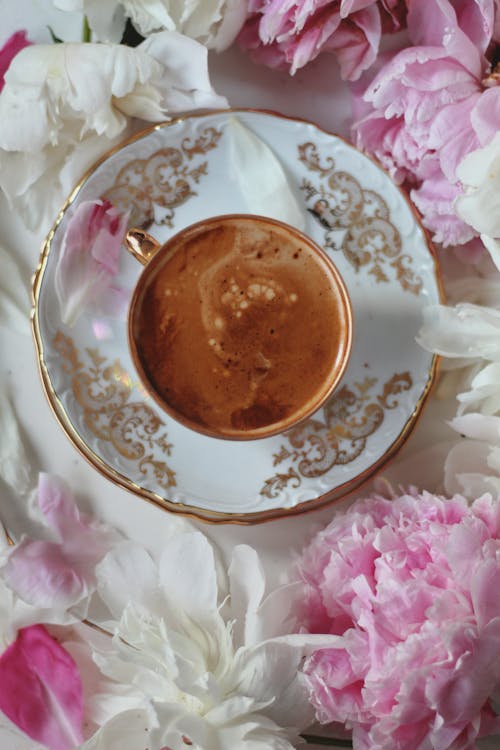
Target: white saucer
178, 173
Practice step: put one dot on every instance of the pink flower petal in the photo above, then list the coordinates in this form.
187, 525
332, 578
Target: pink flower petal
436, 23
12, 46
356, 43
430, 107
89, 258
41, 690
40, 573
61, 573
484, 591
291, 33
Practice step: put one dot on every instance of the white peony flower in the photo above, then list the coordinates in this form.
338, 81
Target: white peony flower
210, 665
214, 23
480, 206
64, 105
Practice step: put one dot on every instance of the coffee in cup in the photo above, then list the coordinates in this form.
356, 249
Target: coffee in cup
240, 326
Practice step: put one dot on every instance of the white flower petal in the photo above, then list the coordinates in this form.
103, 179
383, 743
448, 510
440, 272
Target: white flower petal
493, 247
475, 168
14, 464
127, 574
261, 177
463, 331
188, 575
275, 612
14, 295
484, 393
477, 426
270, 671
184, 83
105, 16
233, 17
467, 470
151, 16
247, 585
480, 205
128, 730
214, 23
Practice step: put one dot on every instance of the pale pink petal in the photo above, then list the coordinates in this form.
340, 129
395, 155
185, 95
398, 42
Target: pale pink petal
356, 43
451, 135
303, 48
59, 573
41, 690
40, 573
434, 199
477, 19
58, 506
12, 46
89, 258
484, 591
289, 33
435, 22
431, 107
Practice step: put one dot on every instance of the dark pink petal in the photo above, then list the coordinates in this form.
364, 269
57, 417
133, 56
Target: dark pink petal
12, 46
41, 691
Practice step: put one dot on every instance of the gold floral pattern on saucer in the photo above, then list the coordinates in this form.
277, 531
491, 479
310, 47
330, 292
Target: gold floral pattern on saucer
181, 172
151, 188
367, 235
314, 447
103, 392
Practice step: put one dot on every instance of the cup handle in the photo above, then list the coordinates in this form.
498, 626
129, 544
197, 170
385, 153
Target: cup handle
141, 245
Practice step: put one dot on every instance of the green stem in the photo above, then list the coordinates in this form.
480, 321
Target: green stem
86, 32
327, 741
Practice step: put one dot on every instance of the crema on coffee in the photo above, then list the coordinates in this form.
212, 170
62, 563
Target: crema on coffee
240, 327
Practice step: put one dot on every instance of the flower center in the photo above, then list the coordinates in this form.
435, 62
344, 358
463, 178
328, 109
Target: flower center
493, 79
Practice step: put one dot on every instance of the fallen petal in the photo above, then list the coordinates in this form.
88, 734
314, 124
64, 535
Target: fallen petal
261, 177
40, 689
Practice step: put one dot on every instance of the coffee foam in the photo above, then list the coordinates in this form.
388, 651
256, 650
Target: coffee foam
239, 327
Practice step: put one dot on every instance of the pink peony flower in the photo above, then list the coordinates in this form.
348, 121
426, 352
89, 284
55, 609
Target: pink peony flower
89, 261
408, 587
433, 103
14, 44
291, 33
